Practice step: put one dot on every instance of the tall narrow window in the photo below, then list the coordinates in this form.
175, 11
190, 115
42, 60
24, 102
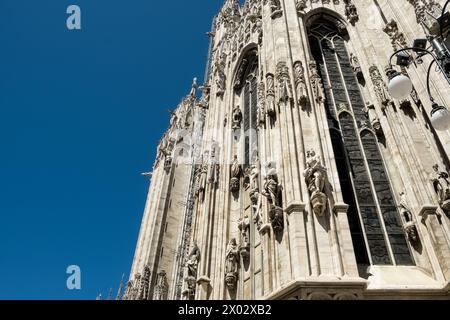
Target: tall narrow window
375, 224
249, 83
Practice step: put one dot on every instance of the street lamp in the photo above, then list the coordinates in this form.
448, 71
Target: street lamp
400, 85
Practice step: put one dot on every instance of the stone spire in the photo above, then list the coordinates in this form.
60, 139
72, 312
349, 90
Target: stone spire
119, 292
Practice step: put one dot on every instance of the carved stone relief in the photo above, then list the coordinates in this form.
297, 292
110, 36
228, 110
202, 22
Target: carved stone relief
316, 177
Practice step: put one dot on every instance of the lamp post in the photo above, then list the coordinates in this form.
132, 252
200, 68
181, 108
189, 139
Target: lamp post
400, 85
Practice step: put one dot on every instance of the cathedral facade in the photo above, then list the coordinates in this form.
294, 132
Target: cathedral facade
294, 174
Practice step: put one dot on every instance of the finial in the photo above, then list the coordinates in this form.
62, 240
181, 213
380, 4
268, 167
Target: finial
119, 292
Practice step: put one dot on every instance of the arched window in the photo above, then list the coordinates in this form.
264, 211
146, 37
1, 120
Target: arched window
375, 224
247, 84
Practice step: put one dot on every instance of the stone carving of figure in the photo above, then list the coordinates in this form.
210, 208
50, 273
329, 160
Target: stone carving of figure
193, 261
271, 112
441, 183
231, 265
284, 83
244, 228
351, 12
237, 118
144, 286
213, 167
236, 171
261, 103
356, 65
301, 5
272, 187
316, 82
300, 83
161, 288
275, 5
397, 38
379, 86
316, 177
194, 88
202, 181
273, 191
204, 100
409, 223
220, 75
192, 269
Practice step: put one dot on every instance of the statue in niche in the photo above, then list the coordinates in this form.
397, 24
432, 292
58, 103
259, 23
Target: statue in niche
284, 83
144, 285
204, 100
202, 181
316, 177
244, 228
300, 84
231, 265
261, 104
409, 223
236, 172
220, 74
374, 120
273, 191
441, 183
192, 269
237, 118
316, 82
379, 86
213, 167
271, 111
161, 288
357, 70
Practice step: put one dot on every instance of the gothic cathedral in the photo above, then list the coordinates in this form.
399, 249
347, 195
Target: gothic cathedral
292, 173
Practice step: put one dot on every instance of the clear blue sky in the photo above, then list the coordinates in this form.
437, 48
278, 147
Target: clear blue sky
81, 113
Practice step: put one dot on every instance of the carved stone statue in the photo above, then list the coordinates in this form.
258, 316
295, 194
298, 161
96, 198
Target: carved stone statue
202, 181
356, 65
301, 5
408, 218
372, 115
316, 177
261, 104
284, 83
351, 12
192, 270
273, 190
213, 167
231, 265
380, 86
271, 112
275, 7
194, 88
244, 228
441, 183
161, 288
220, 74
144, 286
237, 118
316, 82
300, 84
236, 172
